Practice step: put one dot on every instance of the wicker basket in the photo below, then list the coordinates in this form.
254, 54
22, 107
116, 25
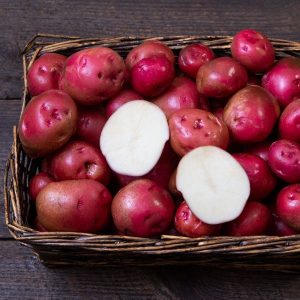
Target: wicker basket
66, 248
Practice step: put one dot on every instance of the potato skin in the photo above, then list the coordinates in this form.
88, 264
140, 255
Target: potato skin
47, 123
37, 183
74, 206
44, 73
142, 208
191, 128
93, 75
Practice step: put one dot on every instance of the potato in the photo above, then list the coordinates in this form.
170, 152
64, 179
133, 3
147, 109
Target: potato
90, 123
79, 160
191, 128
44, 73
47, 123
146, 50
251, 114
280, 228
74, 206
151, 76
259, 149
142, 208
221, 77
284, 160
189, 225
37, 183
181, 94
93, 75
172, 185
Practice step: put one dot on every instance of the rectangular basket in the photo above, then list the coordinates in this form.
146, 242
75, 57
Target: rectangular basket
67, 248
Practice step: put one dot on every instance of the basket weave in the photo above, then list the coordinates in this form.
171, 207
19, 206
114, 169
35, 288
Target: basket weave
57, 248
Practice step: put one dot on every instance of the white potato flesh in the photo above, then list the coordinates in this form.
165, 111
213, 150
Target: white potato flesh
133, 138
213, 184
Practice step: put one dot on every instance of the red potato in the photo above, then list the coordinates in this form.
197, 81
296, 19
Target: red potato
44, 73
79, 160
284, 160
172, 185
280, 228
91, 121
289, 123
191, 128
255, 219
121, 98
288, 206
189, 225
192, 57
253, 50
146, 50
142, 208
151, 76
250, 114
181, 94
37, 183
37, 225
47, 123
221, 77
262, 180
74, 206
283, 80
259, 149
93, 75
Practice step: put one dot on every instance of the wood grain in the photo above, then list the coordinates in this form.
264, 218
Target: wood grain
20, 20
22, 274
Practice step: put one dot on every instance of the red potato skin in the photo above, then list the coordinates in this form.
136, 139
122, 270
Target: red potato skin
37, 183
151, 76
253, 50
91, 121
121, 98
262, 180
289, 122
288, 206
74, 206
79, 160
47, 123
192, 57
191, 128
181, 94
161, 172
280, 228
221, 77
255, 219
250, 114
37, 225
284, 160
146, 50
283, 80
93, 75
189, 225
44, 73
259, 149
143, 209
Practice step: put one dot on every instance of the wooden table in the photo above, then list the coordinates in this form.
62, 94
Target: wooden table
21, 274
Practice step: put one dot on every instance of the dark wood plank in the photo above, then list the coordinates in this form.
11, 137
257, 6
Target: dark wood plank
20, 20
22, 274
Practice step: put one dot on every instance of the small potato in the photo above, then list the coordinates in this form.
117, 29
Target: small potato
142, 208
44, 73
47, 123
284, 160
79, 160
74, 206
37, 183
192, 57
221, 77
191, 128
91, 121
121, 98
151, 76
181, 94
280, 228
146, 50
189, 225
93, 75
259, 149
251, 114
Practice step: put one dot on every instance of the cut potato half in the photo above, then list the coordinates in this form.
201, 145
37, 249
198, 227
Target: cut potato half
213, 184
